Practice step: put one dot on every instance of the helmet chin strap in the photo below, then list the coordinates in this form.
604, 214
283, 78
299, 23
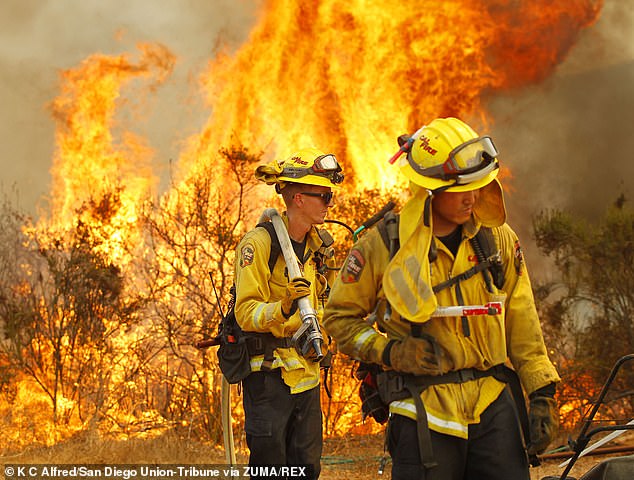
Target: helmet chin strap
427, 208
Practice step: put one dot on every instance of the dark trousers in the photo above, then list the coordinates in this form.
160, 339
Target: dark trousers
494, 450
282, 428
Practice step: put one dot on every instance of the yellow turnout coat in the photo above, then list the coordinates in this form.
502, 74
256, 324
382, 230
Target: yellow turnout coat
358, 299
258, 294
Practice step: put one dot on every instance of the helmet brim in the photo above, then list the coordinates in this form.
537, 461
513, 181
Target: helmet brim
434, 184
310, 180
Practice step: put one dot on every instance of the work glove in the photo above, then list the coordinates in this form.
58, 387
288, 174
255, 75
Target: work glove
322, 284
543, 419
416, 355
297, 288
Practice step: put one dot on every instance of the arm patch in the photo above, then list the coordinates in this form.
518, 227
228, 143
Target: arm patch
354, 266
246, 255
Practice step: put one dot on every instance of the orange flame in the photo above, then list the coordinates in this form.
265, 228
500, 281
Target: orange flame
90, 160
350, 77
347, 77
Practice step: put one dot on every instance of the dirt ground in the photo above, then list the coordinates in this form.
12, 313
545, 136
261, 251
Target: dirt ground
354, 457
357, 458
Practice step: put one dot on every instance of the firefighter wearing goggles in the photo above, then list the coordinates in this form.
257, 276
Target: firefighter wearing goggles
445, 376
308, 166
281, 394
448, 155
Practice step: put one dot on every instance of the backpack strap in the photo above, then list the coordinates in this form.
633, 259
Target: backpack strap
489, 262
483, 244
324, 252
276, 249
477, 268
388, 228
487, 251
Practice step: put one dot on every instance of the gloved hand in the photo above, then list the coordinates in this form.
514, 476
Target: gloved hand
417, 356
297, 288
543, 418
322, 284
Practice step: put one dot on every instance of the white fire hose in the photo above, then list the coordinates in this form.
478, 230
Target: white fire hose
226, 420
308, 340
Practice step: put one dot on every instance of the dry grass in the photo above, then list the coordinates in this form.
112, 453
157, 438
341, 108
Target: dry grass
350, 458
88, 447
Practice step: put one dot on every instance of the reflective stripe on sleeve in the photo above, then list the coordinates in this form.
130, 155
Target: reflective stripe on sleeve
363, 339
262, 319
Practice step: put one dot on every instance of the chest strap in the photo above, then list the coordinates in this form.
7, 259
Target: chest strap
477, 268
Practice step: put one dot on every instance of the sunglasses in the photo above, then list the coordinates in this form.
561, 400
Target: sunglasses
326, 197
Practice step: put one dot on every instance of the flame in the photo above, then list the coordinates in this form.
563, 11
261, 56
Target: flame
350, 77
576, 395
90, 160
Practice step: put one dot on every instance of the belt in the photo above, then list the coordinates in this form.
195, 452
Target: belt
397, 386
265, 344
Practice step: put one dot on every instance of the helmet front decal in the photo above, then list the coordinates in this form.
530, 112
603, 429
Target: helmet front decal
299, 160
424, 144
323, 166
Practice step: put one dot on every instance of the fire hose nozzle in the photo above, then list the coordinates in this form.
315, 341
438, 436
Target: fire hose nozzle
308, 342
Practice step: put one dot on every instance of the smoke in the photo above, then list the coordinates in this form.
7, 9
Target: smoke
568, 141
39, 39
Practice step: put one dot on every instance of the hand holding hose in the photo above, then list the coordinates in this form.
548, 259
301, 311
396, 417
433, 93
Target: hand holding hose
297, 288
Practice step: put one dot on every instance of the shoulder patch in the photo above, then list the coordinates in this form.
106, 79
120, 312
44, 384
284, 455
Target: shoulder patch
246, 255
518, 258
353, 268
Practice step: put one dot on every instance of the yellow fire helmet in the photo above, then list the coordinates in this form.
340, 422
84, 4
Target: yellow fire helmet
448, 155
444, 156
309, 166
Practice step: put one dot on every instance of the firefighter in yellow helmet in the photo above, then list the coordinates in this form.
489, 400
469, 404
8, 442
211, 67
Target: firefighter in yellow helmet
399, 302
283, 422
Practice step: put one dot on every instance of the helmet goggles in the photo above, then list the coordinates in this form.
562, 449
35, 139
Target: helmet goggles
468, 162
324, 166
